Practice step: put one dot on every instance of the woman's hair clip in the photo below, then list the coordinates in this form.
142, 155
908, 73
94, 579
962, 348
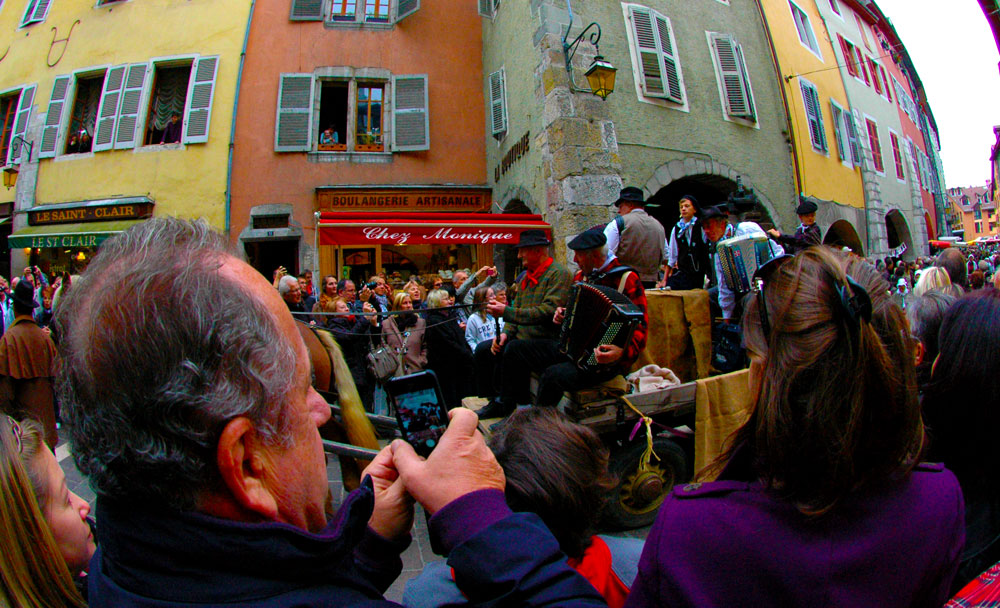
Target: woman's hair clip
857, 303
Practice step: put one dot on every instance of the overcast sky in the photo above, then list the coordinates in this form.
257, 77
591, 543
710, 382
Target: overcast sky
956, 57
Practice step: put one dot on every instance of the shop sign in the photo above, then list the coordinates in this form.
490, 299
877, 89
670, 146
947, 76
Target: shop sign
66, 240
516, 153
385, 199
134, 211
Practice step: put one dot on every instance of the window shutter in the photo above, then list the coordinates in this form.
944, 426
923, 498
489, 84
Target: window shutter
306, 10
671, 66
405, 8
21, 123
199, 100
107, 110
294, 123
53, 118
41, 10
838, 128
498, 102
734, 83
486, 8
815, 116
888, 89
649, 54
852, 138
897, 156
410, 127
128, 113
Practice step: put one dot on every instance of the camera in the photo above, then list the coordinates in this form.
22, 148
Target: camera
371, 284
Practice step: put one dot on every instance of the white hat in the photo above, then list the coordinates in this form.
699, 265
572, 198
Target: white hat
901, 282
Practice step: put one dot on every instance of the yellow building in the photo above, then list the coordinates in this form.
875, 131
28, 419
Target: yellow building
127, 108
974, 212
824, 136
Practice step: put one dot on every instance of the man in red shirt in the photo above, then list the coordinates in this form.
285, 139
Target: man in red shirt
599, 267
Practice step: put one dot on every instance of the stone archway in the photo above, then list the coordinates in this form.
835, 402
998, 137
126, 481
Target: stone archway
930, 226
842, 234
707, 189
897, 233
713, 178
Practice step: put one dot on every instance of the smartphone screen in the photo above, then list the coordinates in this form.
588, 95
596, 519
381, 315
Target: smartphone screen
420, 410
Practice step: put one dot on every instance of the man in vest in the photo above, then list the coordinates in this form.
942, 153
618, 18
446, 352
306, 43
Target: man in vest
636, 238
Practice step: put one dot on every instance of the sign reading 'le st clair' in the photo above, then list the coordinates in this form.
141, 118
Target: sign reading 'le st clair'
132, 211
403, 199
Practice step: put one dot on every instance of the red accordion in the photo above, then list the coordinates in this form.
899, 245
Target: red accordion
596, 315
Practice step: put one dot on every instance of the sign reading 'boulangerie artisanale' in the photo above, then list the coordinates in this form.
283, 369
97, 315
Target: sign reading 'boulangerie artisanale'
413, 199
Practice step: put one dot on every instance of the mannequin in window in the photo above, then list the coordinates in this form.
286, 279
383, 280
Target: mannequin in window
172, 132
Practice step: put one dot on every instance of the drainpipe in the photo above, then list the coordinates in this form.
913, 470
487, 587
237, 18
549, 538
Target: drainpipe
784, 96
232, 129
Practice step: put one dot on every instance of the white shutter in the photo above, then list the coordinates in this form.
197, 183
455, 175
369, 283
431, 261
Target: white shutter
734, 85
107, 109
21, 123
128, 112
498, 102
307, 10
839, 129
53, 118
410, 126
201, 91
671, 66
650, 72
405, 8
293, 127
815, 116
486, 8
852, 138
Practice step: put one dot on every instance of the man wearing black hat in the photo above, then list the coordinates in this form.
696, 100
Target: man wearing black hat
806, 235
538, 291
716, 228
28, 362
599, 267
637, 238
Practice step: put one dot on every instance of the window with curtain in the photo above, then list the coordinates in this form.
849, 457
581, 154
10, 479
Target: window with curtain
84, 117
170, 87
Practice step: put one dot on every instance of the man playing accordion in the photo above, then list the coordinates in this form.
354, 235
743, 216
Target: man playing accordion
597, 267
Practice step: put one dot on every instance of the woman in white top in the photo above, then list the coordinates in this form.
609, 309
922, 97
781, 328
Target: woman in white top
481, 326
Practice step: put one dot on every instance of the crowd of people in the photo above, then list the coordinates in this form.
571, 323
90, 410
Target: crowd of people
200, 437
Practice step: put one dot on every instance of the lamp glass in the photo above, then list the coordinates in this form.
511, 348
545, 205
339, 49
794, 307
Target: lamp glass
9, 177
601, 76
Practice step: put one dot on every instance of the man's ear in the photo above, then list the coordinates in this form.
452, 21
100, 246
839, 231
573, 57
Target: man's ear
242, 466
920, 352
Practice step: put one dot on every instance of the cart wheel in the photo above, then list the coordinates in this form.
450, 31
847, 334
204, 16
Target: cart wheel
639, 494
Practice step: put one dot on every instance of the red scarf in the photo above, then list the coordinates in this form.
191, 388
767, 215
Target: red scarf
532, 277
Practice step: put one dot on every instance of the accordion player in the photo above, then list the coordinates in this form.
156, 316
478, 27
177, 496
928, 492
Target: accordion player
597, 315
737, 258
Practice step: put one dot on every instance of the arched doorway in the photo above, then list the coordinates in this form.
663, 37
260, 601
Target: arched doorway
708, 189
843, 234
930, 226
505, 256
898, 234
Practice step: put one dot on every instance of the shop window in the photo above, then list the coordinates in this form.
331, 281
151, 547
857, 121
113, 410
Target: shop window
83, 116
8, 113
333, 111
168, 98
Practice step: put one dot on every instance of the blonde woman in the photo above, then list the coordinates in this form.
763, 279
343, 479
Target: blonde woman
933, 278
45, 541
404, 333
448, 355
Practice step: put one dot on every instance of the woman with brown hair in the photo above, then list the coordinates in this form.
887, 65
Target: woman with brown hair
404, 333
45, 540
820, 500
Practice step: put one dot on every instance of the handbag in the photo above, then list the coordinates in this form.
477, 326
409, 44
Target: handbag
382, 363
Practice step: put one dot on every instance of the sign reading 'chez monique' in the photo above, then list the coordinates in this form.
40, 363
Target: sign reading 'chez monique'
103, 213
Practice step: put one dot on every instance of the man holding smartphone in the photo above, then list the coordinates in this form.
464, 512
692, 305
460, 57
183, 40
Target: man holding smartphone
231, 504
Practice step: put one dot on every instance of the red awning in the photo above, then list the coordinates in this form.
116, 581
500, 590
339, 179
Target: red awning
367, 228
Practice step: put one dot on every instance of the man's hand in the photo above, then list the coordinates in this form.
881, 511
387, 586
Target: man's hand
392, 516
365, 294
608, 353
773, 233
559, 316
498, 343
460, 464
495, 307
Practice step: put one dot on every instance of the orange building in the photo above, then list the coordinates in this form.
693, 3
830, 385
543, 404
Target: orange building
371, 106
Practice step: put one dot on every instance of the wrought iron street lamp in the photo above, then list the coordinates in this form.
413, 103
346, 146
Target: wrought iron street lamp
601, 74
10, 172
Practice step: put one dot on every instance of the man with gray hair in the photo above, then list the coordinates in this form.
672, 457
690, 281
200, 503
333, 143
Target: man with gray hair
187, 392
291, 292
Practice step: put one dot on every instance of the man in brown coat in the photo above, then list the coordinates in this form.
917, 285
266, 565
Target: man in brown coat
28, 363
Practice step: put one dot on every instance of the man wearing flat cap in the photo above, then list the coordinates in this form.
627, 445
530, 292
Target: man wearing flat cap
538, 291
637, 238
806, 235
599, 267
28, 365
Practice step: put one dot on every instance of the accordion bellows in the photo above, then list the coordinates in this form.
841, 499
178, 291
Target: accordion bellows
596, 315
740, 257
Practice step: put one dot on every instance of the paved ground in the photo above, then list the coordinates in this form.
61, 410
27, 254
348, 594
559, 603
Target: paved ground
414, 558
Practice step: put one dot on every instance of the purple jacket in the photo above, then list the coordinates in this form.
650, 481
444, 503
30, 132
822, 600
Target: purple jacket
730, 543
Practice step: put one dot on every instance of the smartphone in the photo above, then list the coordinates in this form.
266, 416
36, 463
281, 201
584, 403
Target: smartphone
420, 409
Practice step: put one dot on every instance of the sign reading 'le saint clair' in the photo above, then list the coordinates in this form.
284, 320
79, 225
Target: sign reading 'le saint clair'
134, 211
